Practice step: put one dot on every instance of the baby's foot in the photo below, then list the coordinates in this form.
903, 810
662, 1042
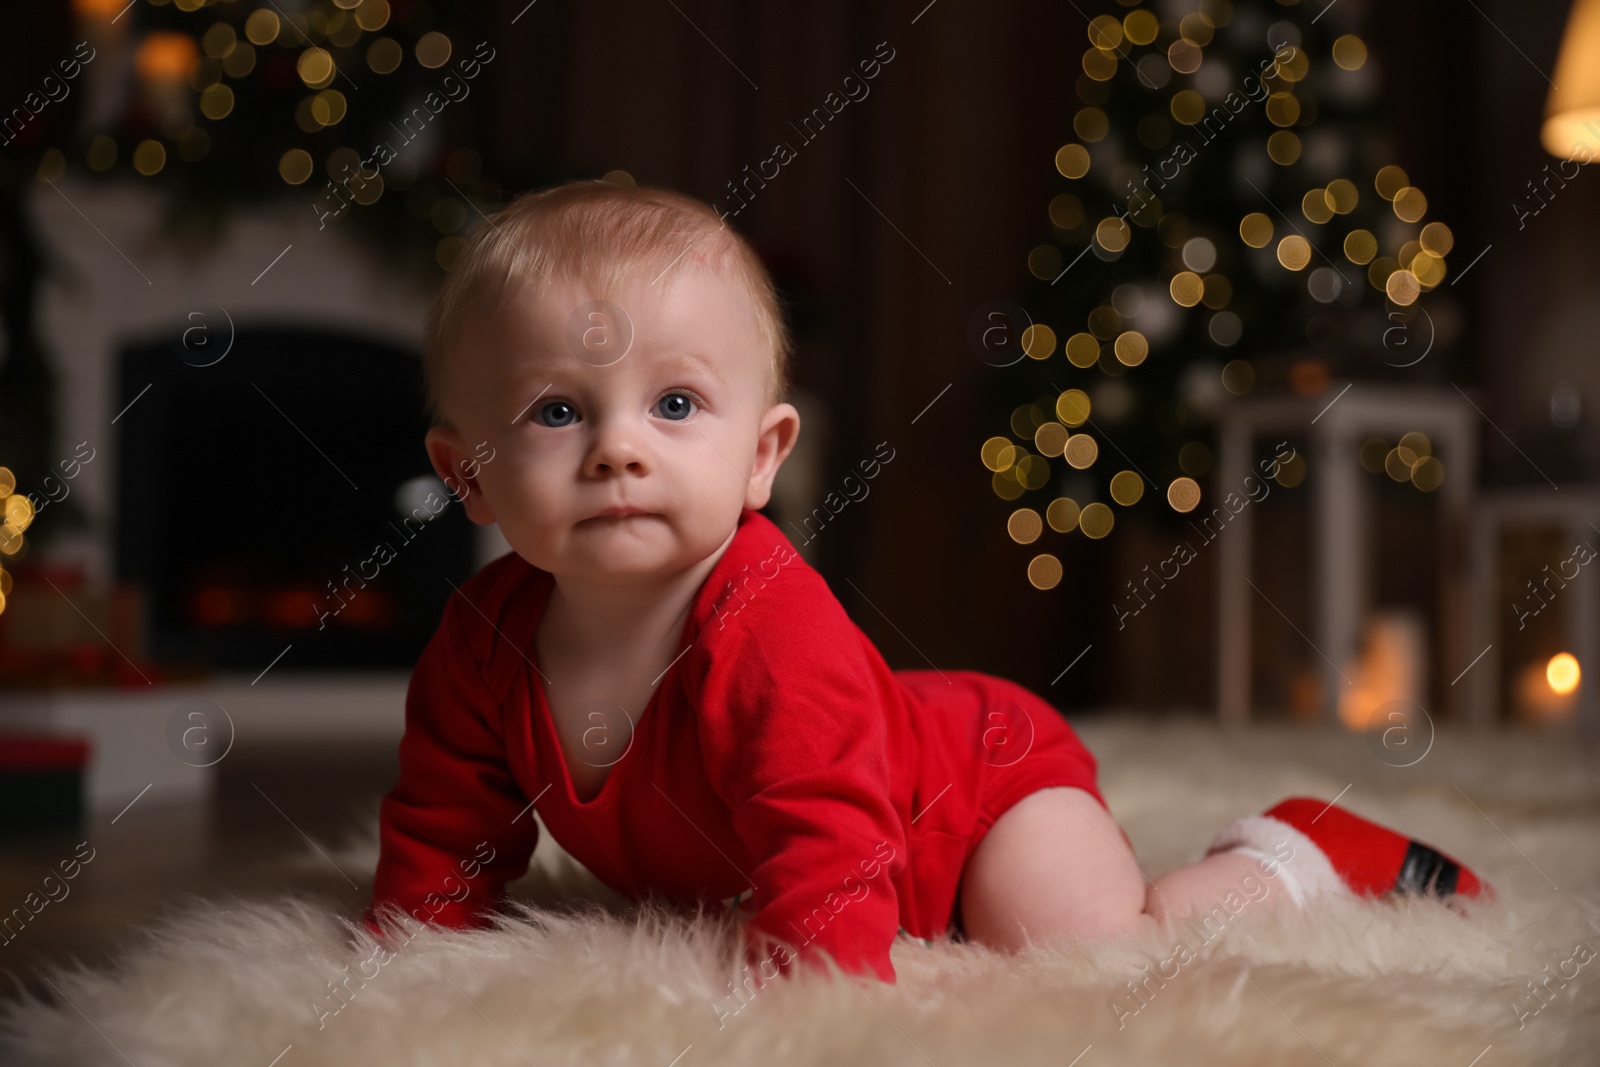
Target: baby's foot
1336, 851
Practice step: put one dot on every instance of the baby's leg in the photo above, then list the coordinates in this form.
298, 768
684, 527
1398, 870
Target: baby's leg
1056, 865
1208, 885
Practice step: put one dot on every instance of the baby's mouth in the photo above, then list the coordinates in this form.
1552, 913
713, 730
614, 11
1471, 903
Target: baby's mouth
611, 515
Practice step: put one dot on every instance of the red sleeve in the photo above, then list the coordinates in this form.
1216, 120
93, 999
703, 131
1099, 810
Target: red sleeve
455, 828
794, 737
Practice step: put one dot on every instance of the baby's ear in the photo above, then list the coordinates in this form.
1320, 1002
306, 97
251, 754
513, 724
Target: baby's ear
780, 428
458, 467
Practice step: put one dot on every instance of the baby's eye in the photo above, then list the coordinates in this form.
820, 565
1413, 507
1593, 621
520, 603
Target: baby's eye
557, 413
675, 406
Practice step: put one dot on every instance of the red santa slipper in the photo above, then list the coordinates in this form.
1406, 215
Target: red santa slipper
1323, 848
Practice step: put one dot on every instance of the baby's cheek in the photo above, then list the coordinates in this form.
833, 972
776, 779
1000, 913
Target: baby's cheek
522, 492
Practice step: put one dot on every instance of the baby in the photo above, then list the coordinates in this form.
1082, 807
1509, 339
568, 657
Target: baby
680, 697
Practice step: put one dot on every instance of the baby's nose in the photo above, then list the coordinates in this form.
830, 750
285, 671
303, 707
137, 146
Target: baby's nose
617, 448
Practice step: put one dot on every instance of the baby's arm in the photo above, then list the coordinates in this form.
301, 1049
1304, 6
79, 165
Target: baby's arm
455, 828
795, 742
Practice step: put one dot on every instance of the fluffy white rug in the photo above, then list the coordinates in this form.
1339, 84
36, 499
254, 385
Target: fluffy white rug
582, 977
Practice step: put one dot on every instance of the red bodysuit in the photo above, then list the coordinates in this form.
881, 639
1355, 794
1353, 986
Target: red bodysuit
778, 759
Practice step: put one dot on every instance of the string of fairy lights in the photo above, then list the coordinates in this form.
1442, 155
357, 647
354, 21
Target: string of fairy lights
1377, 224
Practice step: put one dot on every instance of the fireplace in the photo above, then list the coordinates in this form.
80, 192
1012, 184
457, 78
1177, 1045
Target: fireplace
253, 493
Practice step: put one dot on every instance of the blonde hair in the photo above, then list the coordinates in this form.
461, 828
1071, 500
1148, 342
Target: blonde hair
597, 232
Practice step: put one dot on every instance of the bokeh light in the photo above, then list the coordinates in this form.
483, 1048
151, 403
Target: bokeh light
1024, 526
1044, 571
262, 26
1081, 451
384, 55
1427, 474
1072, 407
1360, 246
1050, 439
372, 14
1255, 230
1062, 514
1186, 288
1113, 234
1072, 160
433, 50
1183, 494
1091, 124
149, 157
1082, 351
1316, 206
1096, 521
1283, 148
166, 56
1038, 341
315, 67
1410, 204
1563, 673
1238, 377
1132, 348
1437, 238
1349, 52
1127, 487
1294, 252
295, 166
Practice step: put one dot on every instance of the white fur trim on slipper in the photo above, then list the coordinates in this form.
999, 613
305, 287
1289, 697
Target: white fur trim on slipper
1307, 873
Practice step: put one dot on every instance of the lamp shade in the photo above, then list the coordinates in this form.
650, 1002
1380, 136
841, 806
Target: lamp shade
1572, 113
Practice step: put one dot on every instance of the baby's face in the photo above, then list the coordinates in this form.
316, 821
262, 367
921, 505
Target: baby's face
675, 426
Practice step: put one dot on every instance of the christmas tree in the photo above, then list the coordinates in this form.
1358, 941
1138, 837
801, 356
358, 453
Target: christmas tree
1229, 220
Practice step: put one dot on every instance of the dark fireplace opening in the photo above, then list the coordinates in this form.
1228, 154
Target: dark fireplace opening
281, 496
